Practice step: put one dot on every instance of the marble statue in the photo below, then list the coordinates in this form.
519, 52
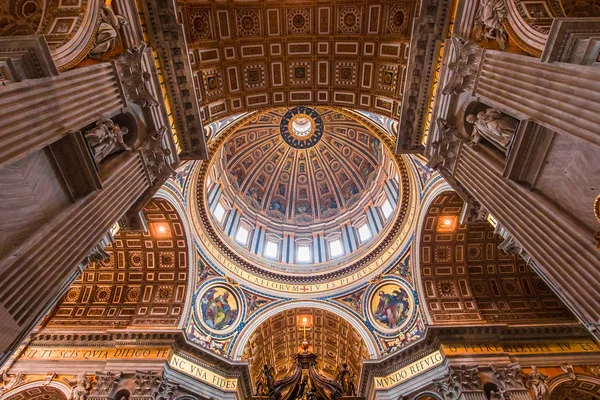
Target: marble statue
107, 31
493, 126
266, 381
9, 382
537, 382
81, 387
345, 379
105, 139
488, 22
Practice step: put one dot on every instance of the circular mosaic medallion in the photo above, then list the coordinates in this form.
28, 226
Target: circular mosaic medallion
391, 306
301, 127
218, 308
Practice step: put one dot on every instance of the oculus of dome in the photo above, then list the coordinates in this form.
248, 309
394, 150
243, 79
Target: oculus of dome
301, 127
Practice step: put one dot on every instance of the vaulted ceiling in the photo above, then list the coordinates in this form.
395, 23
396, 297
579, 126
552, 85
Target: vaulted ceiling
144, 282
255, 55
331, 338
467, 279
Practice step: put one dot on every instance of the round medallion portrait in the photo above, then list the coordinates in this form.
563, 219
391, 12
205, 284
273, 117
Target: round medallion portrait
218, 308
391, 306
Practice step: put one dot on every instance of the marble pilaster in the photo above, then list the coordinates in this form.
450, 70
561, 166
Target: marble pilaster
36, 271
38, 112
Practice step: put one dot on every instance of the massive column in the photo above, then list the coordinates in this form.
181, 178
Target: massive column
78, 150
518, 138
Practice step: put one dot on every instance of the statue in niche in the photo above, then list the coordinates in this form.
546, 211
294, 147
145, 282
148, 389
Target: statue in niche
81, 387
345, 379
266, 381
107, 31
488, 22
537, 382
105, 139
494, 126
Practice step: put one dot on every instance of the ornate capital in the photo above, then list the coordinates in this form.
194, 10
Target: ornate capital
467, 377
460, 379
447, 387
446, 148
134, 78
105, 383
463, 70
155, 155
508, 376
144, 381
163, 388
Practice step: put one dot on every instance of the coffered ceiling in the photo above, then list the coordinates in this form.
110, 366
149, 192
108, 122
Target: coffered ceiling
143, 283
468, 279
253, 55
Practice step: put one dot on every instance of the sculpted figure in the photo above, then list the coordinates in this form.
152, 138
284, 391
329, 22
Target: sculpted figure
106, 139
488, 22
266, 381
536, 381
9, 382
81, 387
107, 31
494, 126
345, 378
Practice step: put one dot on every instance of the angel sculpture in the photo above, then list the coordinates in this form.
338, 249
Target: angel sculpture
266, 381
489, 21
81, 386
537, 382
107, 31
9, 382
467, 57
345, 379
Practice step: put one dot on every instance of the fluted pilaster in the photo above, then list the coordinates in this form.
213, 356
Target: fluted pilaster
32, 275
561, 248
38, 112
558, 96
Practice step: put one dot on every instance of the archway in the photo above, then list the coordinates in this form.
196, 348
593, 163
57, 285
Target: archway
583, 388
357, 324
38, 391
333, 339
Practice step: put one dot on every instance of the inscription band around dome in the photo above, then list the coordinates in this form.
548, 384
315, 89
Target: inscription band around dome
301, 127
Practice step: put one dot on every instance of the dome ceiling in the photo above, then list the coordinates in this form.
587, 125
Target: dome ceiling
266, 165
302, 199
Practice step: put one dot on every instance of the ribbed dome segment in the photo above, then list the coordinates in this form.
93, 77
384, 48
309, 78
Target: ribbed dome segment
301, 185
